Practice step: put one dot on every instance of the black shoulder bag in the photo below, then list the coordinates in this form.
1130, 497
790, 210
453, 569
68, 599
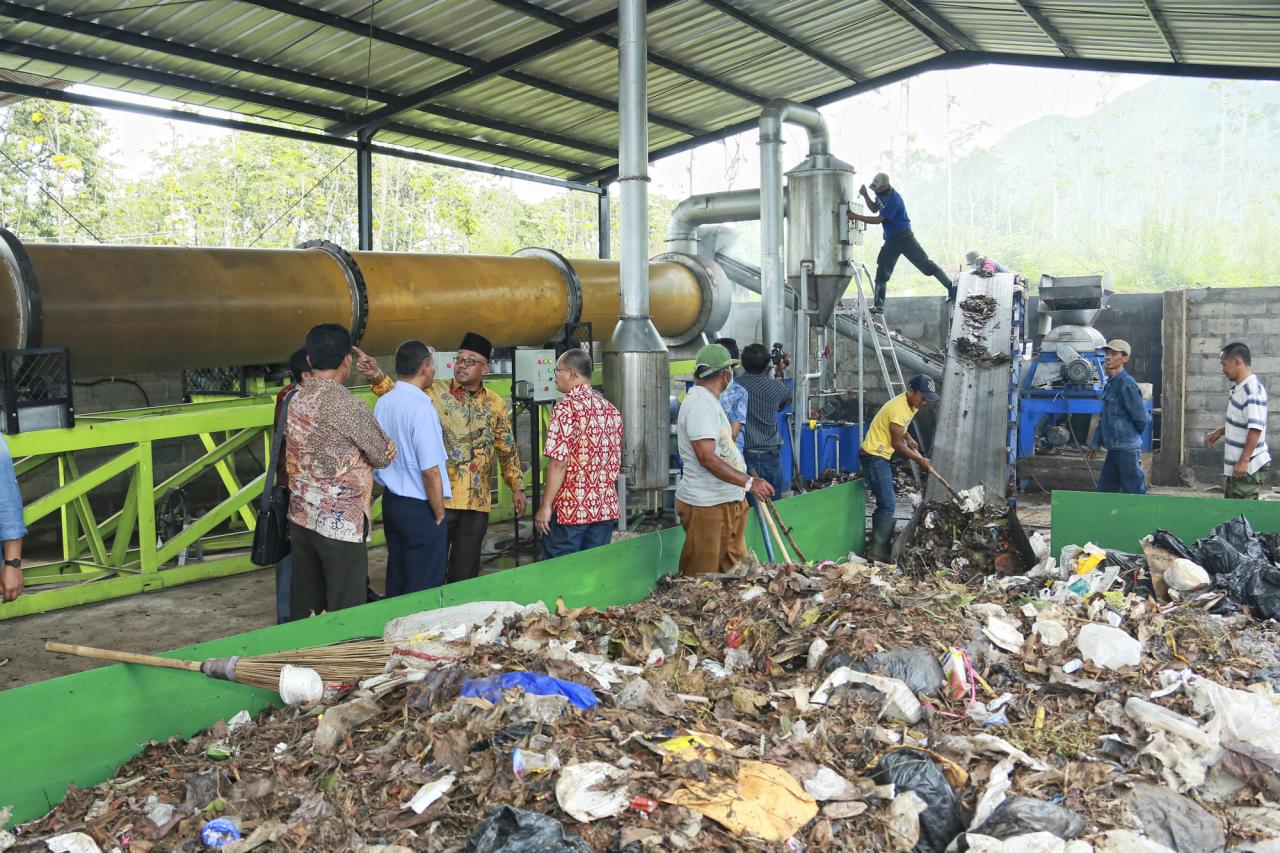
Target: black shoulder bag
271, 535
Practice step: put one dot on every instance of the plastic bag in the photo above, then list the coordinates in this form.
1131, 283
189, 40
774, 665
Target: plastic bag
1175, 821
1024, 815
1172, 544
911, 770
1234, 555
493, 688
511, 830
917, 668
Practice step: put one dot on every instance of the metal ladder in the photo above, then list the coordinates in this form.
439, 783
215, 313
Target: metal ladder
883, 342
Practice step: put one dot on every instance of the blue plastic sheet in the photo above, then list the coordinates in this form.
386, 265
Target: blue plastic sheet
531, 682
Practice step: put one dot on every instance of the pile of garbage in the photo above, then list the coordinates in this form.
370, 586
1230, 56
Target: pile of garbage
966, 539
836, 706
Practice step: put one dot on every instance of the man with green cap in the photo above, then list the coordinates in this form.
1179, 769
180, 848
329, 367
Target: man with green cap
711, 498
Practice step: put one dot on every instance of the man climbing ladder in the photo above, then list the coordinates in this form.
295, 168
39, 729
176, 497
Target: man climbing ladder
891, 212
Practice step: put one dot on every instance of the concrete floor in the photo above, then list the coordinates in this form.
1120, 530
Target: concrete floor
172, 618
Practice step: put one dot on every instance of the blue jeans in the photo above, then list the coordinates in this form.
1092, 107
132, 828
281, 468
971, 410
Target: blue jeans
1121, 473
417, 547
879, 477
768, 465
565, 539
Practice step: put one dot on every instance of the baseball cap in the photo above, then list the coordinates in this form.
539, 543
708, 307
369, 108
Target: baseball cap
880, 181
972, 257
1118, 345
711, 358
925, 386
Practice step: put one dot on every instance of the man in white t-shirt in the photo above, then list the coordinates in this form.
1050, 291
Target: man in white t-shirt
711, 498
1245, 460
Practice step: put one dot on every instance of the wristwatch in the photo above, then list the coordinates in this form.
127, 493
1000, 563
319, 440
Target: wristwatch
17, 564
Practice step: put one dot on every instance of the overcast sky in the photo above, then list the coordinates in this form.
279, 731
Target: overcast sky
996, 98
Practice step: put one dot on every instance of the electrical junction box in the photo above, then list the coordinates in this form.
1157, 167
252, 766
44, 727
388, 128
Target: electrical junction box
444, 364
538, 368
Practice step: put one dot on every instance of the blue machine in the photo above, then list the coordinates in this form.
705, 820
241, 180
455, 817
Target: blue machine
1066, 377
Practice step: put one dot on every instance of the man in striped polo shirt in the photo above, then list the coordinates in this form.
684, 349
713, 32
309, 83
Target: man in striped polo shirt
1246, 460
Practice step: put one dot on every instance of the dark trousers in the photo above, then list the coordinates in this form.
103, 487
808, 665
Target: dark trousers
1122, 473
466, 534
417, 547
768, 465
284, 589
906, 245
328, 574
564, 539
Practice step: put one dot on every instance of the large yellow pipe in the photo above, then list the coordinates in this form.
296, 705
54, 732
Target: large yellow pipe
135, 309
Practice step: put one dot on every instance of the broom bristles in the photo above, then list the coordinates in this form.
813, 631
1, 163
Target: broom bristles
344, 662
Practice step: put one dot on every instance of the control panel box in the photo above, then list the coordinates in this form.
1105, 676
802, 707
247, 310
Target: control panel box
537, 367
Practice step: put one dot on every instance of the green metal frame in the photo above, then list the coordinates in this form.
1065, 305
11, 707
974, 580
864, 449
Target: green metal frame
119, 555
80, 728
1119, 521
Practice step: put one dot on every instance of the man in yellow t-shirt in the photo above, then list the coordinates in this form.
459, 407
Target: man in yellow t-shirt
888, 433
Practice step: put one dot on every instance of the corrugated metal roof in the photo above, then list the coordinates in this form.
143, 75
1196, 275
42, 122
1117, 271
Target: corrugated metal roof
525, 84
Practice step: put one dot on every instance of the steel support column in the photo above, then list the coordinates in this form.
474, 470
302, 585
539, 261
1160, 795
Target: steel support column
364, 190
635, 360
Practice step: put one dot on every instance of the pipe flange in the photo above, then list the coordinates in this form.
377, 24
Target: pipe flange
717, 294
571, 282
14, 258
355, 281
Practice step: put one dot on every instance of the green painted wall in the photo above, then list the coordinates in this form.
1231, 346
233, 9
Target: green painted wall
1119, 521
81, 727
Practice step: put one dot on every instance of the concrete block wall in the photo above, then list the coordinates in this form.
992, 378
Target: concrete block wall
1215, 317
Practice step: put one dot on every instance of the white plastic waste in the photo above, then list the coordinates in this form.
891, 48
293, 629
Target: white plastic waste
1186, 576
429, 793
900, 703
581, 791
1108, 647
300, 685
1050, 631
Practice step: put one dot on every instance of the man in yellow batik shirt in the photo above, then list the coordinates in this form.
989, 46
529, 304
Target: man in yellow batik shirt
476, 430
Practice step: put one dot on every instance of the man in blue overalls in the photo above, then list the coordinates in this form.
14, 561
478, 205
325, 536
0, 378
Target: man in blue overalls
899, 241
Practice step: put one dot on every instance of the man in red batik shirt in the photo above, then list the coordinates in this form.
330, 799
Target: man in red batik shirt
584, 452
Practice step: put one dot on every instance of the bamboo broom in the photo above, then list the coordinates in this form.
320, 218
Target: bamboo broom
344, 662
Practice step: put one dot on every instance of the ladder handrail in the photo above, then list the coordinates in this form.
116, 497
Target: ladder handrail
869, 321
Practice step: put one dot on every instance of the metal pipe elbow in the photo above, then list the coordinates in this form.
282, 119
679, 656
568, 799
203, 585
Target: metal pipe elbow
781, 110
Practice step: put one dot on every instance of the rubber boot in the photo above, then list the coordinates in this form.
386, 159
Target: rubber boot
881, 539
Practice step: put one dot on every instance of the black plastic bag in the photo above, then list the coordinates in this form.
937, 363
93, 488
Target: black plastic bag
1234, 555
507, 829
1271, 546
943, 820
1024, 815
917, 668
1171, 543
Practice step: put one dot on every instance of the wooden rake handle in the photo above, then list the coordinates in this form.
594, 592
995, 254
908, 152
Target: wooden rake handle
121, 657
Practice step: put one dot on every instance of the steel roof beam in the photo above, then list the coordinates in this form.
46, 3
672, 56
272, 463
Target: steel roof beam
565, 23
1046, 26
582, 30
787, 39
249, 66
937, 28
220, 90
29, 91
1157, 17
300, 10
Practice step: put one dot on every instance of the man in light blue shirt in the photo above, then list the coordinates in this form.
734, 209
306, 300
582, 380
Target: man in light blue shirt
12, 528
734, 399
416, 481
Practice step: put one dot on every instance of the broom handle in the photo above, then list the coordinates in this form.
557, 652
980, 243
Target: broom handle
768, 517
787, 530
121, 657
